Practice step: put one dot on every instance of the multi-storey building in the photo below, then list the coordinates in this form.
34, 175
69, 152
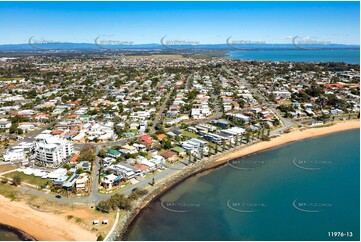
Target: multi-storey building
51, 150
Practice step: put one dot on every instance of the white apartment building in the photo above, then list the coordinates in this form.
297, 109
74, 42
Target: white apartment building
51, 150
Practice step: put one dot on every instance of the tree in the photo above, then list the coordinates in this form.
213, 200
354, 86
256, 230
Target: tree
247, 137
17, 179
201, 152
223, 145
100, 237
102, 154
13, 128
79, 171
4, 180
137, 193
87, 155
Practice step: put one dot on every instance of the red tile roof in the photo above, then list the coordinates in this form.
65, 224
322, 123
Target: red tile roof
146, 139
142, 167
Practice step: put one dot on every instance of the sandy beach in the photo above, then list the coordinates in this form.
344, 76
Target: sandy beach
48, 226
41, 225
293, 136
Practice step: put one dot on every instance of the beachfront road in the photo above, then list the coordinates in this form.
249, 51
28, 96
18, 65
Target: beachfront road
96, 197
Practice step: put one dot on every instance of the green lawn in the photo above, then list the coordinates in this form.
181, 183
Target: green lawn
189, 134
34, 180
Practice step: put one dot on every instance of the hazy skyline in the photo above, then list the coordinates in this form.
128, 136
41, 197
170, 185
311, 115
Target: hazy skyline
201, 22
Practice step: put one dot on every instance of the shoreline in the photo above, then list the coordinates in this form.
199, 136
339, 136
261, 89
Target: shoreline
49, 226
19, 233
40, 225
284, 139
221, 159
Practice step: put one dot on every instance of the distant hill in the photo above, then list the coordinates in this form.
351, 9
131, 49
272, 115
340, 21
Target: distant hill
142, 47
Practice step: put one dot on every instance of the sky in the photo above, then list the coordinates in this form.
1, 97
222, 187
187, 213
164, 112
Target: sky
193, 22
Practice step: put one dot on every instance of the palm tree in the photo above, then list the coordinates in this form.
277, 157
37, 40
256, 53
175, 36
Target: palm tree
262, 131
247, 137
229, 144
237, 141
195, 156
258, 133
216, 149
223, 145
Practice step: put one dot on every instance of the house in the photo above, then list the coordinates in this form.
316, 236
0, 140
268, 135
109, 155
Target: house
60, 180
85, 165
108, 160
146, 140
5, 124
70, 183
135, 170
169, 156
113, 153
157, 160
111, 180
123, 170
161, 136
144, 169
82, 183
180, 151
12, 155
75, 158
221, 123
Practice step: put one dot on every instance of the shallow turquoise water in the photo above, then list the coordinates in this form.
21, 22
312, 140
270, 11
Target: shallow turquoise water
300, 191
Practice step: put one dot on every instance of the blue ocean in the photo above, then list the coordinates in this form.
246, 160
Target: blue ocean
308, 190
350, 56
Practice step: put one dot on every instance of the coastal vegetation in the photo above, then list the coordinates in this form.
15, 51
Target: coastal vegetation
120, 201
